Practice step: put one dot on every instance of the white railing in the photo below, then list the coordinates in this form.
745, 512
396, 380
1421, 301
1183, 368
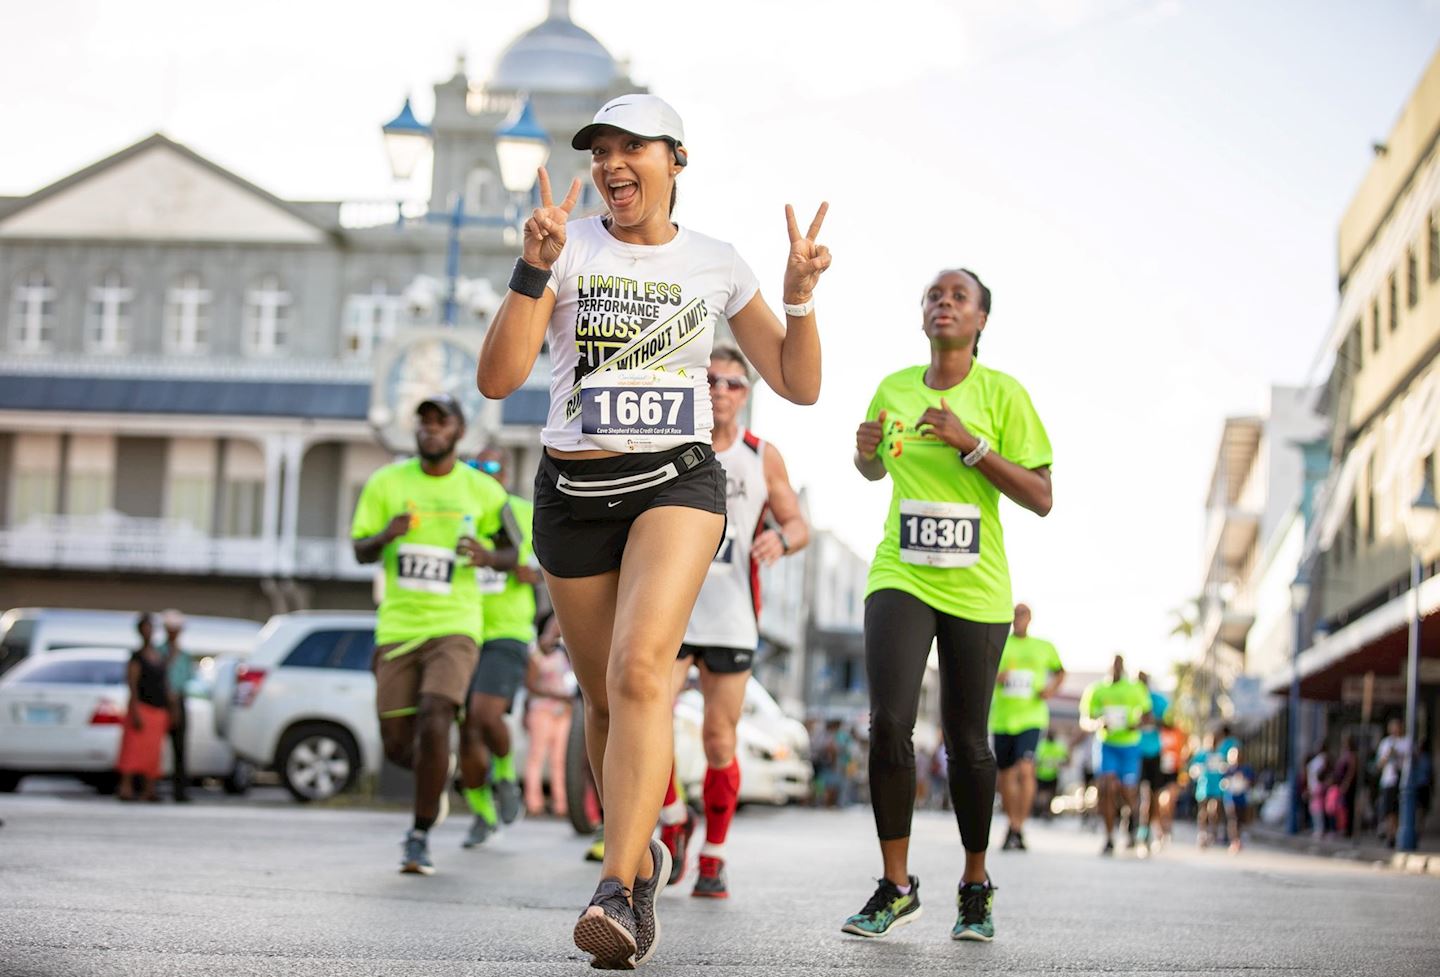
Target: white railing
116, 542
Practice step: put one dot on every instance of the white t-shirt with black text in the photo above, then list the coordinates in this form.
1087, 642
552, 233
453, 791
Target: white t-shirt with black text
621, 306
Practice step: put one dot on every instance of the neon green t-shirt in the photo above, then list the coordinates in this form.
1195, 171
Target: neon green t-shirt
508, 601
1049, 756
429, 591
1122, 704
943, 541
1027, 664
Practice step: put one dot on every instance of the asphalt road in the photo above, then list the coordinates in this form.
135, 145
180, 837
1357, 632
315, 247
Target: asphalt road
92, 887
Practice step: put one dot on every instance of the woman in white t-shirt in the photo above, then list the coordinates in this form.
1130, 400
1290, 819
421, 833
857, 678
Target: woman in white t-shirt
629, 499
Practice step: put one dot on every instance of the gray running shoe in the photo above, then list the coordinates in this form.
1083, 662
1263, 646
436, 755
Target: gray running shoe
480, 832
647, 924
606, 929
417, 854
507, 800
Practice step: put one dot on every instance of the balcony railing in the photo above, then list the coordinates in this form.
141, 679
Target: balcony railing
116, 542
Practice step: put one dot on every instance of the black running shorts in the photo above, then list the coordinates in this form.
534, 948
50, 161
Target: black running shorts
584, 508
721, 661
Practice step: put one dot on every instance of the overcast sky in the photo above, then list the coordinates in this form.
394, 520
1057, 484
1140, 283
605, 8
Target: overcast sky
1150, 187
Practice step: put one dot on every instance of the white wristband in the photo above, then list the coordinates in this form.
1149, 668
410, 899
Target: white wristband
974, 458
801, 311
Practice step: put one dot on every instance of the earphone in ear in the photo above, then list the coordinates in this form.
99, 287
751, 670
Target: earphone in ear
680, 156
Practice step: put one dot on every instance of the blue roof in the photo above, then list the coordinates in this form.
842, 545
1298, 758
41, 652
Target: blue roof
528, 406
522, 125
140, 395
406, 122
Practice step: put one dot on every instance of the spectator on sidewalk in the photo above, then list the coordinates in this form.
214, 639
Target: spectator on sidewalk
1317, 767
179, 668
1390, 759
147, 718
1340, 787
550, 701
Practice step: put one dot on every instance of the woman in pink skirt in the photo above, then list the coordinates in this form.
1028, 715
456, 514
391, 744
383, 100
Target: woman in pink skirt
147, 720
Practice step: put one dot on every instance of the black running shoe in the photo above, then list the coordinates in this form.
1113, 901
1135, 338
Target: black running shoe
1019, 842
711, 883
606, 929
647, 924
1109, 848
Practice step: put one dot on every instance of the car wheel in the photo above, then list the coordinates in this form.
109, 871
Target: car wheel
9, 781
104, 783
241, 777
317, 761
583, 801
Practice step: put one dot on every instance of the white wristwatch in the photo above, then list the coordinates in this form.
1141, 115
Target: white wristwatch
801, 311
974, 458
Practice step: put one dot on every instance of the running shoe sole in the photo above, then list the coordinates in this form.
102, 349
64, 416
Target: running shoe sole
971, 936
415, 868
607, 941
723, 894
895, 924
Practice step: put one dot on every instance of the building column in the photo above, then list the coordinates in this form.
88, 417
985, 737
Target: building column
274, 445
294, 451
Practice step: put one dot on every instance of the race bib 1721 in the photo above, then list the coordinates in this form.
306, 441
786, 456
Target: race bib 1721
637, 410
427, 569
939, 534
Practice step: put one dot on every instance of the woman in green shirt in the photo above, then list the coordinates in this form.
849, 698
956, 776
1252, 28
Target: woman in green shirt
953, 435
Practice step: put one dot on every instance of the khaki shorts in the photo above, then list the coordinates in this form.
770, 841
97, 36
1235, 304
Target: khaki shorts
438, 666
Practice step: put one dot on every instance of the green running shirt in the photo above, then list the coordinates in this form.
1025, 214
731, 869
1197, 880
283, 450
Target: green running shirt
429, 591
508, 601
1017, 705
1122, 704
954, 548
1049, 756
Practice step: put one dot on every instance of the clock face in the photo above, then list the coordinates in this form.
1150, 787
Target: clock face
422, 364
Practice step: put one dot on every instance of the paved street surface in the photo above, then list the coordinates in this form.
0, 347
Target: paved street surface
92, 887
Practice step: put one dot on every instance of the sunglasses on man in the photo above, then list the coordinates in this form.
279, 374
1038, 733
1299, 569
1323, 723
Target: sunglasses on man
728, 383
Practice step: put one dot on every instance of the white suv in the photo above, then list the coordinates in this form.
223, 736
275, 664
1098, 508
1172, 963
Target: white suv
303, 703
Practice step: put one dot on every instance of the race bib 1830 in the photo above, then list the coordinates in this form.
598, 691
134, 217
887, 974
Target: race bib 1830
1019, 683
637, 410
939, 534
428, 569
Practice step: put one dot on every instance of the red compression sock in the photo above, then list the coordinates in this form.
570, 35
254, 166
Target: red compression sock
670, 794
722, 791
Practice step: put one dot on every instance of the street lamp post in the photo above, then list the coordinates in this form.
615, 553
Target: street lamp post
1299, 598
521, 147
1420, 524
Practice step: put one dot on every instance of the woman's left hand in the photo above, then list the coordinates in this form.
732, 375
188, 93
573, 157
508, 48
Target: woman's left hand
807, 261
943, 424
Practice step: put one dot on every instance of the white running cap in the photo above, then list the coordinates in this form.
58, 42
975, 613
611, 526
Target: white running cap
647, 116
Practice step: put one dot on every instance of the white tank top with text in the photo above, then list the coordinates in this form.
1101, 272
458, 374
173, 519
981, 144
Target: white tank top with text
727, 611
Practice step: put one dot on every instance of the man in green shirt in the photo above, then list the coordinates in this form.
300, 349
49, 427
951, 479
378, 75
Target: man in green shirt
424, 519
1050, 756
487, 763
1030, 673
1113, 710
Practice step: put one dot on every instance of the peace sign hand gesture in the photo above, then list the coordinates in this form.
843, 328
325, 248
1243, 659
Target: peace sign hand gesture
807, 260
545, 230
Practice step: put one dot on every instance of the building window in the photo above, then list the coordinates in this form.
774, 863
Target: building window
370, 320
1412, 279
1394, 303
35, 477
267, 317
89, 474
1372, 507
1432, 250
32, 314
107, 316
243, 509
187, 316
1354, 349
1375, 326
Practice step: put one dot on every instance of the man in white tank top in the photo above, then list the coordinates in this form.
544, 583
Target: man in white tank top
764, 523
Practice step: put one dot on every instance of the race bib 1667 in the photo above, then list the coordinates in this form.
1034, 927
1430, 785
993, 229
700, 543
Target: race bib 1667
637, 410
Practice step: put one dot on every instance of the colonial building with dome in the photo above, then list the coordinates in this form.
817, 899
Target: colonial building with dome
197, 376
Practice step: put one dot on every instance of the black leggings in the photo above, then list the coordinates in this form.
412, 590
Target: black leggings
899, 630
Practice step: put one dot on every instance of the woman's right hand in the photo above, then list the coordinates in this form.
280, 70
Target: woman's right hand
869, 435
545, 230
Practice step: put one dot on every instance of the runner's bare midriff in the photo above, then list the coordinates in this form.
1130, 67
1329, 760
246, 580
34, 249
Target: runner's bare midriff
582, 455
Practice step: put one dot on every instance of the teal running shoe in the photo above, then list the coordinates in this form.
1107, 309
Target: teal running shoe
976, 919
887, 909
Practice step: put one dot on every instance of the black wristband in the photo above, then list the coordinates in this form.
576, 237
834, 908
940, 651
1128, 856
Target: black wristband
528, 280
